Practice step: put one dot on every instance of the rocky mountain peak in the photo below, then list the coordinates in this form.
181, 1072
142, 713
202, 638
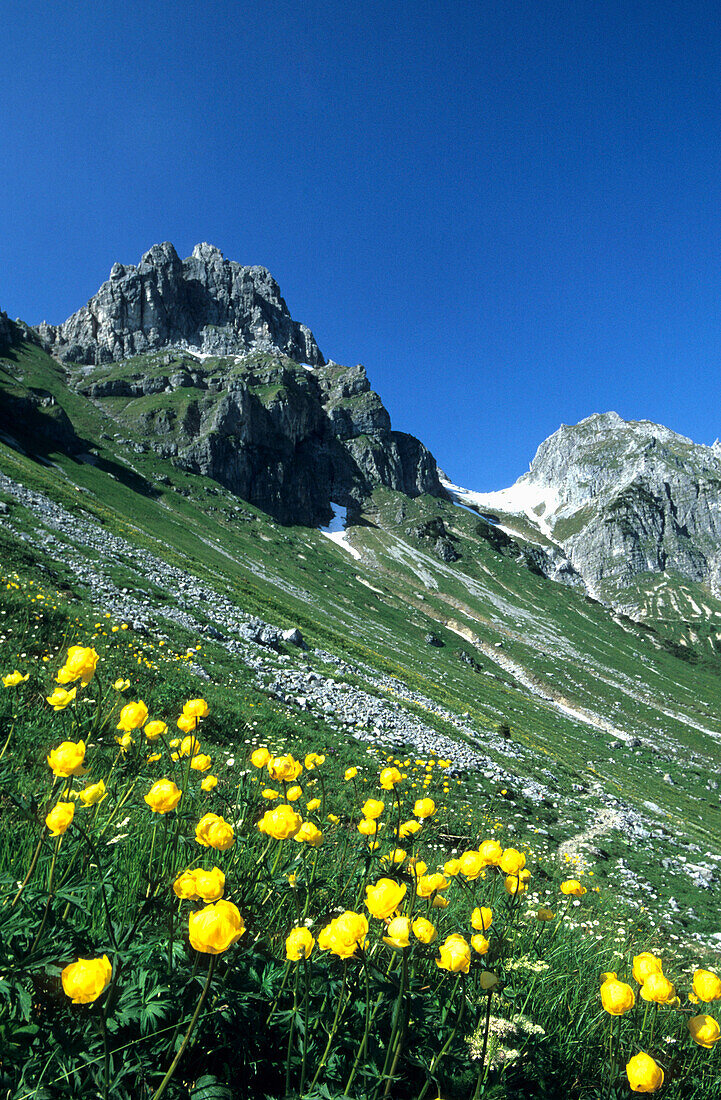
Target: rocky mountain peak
621, 498
206, 302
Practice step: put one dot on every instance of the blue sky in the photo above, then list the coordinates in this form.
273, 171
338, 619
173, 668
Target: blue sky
509, 211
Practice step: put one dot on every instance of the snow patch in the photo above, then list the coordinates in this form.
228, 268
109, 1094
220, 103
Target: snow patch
522, 498
335, 531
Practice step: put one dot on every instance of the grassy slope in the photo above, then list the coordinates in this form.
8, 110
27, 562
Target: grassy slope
378, 611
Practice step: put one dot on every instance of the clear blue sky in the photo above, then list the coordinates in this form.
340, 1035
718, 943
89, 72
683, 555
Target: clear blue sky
509, 211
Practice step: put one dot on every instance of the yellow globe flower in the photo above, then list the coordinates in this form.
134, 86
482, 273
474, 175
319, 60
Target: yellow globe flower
314, 804
313, 760
163, 796
367, 827
645, 964
215, 928
285, 769
487, 980
480, 944
426, 885
189, 746
309, 834
372, 808
344, 935
644, 1075
84, 980
184, 886
269, 794
350, 773
544, 913
481, 918
704, 1030
60, 817
93, 794
617, 998
389, 777
121, 684
491, 852
572, 886
133, 716
658, 988
512, 861
187, 723
209, 885
259, 758
294, 793
15, 678
200, 763
471, 864
423, 930
197, 708
67, 759
126, 741
424, 808
209, 783
153, 730
299, 944
452, 867
79, 665
281, 822
455, 955
60, 698
706, 985
398, 933
384, 897
213, 831
409, 828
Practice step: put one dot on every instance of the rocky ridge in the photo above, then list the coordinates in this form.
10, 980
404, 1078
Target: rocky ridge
205, 301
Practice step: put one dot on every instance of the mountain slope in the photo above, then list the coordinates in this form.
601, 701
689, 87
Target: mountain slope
530, 687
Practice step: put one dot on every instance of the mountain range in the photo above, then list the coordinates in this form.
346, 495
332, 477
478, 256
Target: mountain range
180, 452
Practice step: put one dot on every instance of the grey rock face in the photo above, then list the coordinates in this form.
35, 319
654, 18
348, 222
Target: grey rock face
205, 301
288, 439
624, 498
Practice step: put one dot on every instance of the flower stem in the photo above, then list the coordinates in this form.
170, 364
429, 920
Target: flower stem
174, 1064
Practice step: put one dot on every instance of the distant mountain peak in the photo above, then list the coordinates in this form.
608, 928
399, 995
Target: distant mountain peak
204, 301
620, 498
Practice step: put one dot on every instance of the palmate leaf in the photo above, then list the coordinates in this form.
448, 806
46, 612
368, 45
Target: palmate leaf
209, 1087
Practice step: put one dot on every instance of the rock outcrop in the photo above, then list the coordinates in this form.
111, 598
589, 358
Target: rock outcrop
284, 437
205, 302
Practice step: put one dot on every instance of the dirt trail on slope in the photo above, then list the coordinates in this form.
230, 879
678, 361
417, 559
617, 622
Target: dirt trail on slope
605, 821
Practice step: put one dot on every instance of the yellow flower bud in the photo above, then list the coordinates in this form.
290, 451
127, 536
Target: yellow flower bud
299, 944
481, 918
93, 794
213, 831
617, 998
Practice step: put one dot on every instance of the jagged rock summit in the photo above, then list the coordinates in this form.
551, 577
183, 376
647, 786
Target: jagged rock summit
204, 302
621, 499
